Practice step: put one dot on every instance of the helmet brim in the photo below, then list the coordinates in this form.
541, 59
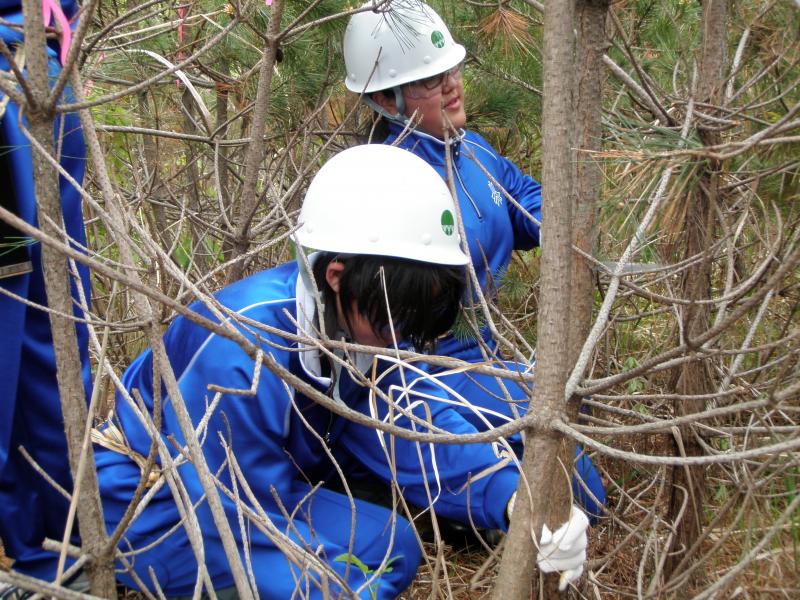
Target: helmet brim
377, 82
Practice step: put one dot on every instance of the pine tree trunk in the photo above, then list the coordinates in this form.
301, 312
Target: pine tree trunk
543, 495
591, 19
59, 298
221, 152
151, 159
196, 246
688, 483
248, 203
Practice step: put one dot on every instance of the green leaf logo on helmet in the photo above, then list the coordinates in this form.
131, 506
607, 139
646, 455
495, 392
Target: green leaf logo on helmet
437, 38
448, 222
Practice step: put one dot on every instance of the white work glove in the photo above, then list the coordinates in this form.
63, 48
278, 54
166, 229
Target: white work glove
510, 506
565, 550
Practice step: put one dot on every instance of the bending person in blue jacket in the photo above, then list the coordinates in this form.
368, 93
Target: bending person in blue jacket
404, 61
385, 272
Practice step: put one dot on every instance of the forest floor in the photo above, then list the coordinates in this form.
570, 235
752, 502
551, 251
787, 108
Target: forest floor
470, 572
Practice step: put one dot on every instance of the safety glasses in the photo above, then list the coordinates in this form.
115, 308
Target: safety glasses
430, 86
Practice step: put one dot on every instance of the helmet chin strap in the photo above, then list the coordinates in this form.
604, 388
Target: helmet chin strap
399, 101
400, 117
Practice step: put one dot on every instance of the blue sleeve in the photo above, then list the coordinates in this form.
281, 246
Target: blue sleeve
255, 426
467, 482
528, 193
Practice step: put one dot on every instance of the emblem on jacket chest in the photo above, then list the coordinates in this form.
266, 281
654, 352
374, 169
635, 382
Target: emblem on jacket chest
497, 197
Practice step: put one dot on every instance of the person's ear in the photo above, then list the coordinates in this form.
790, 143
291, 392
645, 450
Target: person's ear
333, 275
386, 101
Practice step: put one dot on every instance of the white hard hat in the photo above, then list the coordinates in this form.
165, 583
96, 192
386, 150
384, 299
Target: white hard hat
377, 199
407, 40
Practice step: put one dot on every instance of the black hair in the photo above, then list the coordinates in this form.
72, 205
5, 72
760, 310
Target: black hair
424, 298
375, 127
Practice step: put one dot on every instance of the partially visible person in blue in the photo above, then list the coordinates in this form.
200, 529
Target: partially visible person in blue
30, 409
404, 61
385, 270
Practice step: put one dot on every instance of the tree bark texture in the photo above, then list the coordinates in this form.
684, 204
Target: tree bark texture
55, 269
591, 26
150, 149
197, 248
688, 483
543, 495
222, 92
248, 203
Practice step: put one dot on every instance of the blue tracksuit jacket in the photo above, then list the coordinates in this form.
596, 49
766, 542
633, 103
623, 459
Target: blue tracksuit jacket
30, 409
275, 435
494, 227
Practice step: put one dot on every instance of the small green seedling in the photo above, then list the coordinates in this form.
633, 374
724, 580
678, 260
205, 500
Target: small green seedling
366, 571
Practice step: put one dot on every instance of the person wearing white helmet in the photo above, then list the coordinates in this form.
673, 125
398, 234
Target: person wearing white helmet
401, 57
408, 67
404, 61
388, 266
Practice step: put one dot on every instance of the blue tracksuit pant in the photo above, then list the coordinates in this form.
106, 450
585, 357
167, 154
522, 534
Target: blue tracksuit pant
322, 522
